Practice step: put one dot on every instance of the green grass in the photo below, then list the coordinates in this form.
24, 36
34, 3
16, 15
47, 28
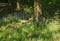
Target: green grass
11, 31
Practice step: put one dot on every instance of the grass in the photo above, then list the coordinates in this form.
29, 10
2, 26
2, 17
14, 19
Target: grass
10, 30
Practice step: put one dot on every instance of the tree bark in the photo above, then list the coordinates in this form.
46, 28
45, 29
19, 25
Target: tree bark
37, 10
18, 5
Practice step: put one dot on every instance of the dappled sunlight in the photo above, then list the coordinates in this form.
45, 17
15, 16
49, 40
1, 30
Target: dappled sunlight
56, 37
29, 20
53, 26
19, 31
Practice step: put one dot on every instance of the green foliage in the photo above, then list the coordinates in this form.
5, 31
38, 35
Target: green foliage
29, 32
28, 9
12, 30
53, 26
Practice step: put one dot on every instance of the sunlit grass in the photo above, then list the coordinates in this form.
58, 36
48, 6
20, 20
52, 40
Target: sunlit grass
11, 30
53, 26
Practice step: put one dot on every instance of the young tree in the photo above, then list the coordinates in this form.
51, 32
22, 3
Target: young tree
18, 5
37, 10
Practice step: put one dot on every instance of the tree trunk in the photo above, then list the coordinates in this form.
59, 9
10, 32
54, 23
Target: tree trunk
18, 5
37, 10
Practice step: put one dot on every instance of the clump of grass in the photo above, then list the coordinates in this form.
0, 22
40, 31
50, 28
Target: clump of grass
53, 26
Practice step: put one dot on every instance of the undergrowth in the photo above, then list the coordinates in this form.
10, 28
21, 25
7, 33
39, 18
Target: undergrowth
28, 32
